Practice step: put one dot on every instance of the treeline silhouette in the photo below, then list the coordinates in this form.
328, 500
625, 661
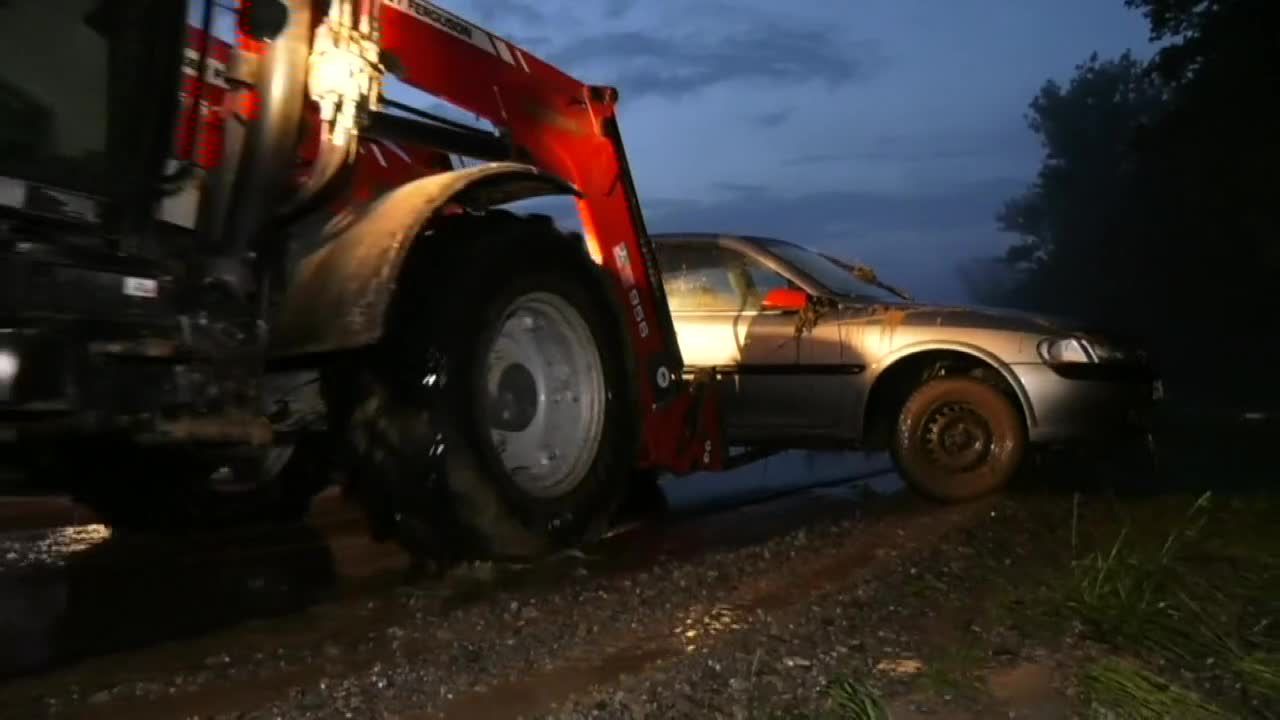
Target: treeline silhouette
1157, 207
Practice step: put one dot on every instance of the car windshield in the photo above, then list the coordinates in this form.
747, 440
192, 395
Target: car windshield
831, 276
53, 93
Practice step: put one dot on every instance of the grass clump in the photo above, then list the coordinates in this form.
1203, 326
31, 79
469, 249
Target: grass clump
852, 700
1134, 598
952, 673
1261, 673
1121, 690
1181, 604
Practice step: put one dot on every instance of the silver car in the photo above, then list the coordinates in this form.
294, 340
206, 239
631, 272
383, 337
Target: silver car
812, 352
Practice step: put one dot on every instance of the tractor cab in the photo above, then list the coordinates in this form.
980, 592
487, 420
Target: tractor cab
88, 95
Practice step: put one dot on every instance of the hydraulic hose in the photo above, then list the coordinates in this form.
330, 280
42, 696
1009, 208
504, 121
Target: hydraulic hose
332, 156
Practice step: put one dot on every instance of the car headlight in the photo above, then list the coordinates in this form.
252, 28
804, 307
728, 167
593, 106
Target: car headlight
1072, 350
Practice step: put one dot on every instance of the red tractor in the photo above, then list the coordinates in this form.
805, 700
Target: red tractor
231, 272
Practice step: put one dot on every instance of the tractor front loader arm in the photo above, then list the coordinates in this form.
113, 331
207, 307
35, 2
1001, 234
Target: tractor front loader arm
568, 129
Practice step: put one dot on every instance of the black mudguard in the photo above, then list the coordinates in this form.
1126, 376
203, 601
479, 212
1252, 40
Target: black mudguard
338, 297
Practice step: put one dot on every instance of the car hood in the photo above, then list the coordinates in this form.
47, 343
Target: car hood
966, 316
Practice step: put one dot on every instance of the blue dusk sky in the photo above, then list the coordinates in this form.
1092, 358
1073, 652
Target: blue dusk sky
889, 131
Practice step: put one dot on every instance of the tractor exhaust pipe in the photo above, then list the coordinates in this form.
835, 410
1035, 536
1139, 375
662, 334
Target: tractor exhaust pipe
261, 139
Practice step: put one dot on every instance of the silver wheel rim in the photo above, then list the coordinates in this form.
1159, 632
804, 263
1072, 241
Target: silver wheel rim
544, 395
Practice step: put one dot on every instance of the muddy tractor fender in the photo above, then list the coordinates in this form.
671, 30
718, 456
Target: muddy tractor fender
339, 294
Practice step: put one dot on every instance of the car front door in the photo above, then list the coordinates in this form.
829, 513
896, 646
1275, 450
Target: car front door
774, 385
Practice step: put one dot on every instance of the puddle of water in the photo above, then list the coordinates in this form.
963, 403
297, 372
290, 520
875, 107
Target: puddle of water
787, 472
49, 547
743, 514
123, 593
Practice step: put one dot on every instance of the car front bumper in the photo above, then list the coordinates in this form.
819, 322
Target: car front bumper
1097, 403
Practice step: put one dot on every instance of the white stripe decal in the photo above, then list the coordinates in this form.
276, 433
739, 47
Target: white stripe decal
503, 51
444, 20
215, 70
396, 149
378, 153
497, 93
520, 57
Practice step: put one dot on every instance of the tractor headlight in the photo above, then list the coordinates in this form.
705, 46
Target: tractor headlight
1076, 350
9, 366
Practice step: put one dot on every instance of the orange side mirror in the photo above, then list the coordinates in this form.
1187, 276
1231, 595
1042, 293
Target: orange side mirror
785, 299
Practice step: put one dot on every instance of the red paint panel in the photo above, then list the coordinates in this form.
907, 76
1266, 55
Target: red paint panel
202, 121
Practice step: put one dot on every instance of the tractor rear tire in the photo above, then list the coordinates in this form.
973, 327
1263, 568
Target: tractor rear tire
496, 418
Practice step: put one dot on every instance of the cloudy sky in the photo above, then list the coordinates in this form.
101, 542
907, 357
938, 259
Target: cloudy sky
888, 130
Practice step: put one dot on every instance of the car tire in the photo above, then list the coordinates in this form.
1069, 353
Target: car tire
958, 439
432, 469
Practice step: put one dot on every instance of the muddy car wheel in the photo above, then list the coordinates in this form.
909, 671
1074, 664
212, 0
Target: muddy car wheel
958, 439
497, 420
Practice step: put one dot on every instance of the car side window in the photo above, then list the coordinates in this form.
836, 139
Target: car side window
765, 279
694, 277
709, 278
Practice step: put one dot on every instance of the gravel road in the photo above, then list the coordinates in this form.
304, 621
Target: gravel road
750, 604
696, 616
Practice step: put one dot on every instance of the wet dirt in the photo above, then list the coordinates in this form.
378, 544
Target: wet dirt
1032, 691
70, 593
105, 625
748, 612
739, 611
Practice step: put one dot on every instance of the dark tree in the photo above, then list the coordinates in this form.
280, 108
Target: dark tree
1157, 207
1216, 153
1077, 251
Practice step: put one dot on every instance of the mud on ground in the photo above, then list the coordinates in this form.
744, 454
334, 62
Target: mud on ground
1022, 606
1008, 616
